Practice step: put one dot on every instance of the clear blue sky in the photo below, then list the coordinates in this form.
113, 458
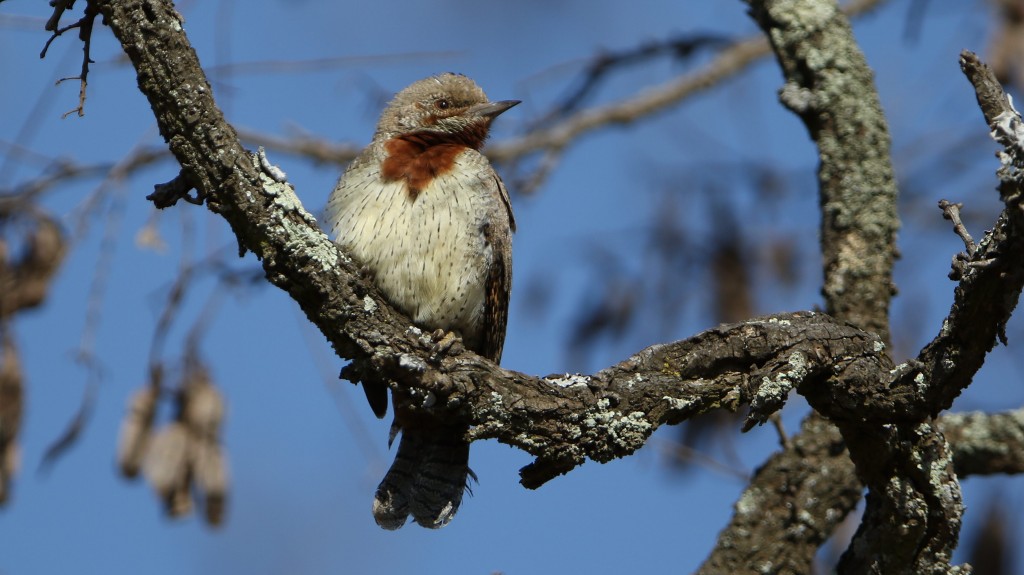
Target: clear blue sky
302, 479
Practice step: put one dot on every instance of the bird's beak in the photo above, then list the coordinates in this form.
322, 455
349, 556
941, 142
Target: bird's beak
491, 109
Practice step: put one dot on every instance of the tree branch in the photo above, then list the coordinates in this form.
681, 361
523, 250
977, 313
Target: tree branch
992, 276
793, 505
985, 443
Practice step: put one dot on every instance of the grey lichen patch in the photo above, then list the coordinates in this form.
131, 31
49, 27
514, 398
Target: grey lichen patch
569, 380
421, 336
285, 198
493, 417
934, 461
749, 503
310, 242
679, 404
369, 306
408, 361
302, 239
772, 392
803, 16
939, 467
276, 173
920, 384
1007, 128
800, 100
274, 185
631, 429
613, 433
531, 442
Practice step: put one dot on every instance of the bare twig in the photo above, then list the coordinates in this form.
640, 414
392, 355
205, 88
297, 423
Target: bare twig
652, 100
951, 212
602, 65
59, 6
85, 27
60, 172
317, 150
776, 421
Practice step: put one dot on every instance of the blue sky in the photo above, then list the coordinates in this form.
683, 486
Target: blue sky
305, 452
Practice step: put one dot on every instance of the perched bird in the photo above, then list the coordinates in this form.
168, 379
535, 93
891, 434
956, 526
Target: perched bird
429, 219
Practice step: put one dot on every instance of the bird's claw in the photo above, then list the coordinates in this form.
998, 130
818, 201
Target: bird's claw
444, 343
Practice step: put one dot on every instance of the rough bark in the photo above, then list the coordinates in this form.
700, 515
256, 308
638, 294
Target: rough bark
792, 506
986, 443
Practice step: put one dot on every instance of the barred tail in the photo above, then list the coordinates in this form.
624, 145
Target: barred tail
426, 480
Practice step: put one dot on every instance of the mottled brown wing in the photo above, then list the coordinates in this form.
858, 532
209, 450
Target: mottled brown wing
503, 194
499, 282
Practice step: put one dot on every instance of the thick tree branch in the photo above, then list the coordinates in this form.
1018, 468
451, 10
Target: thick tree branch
986, 443
792, 506
831, 88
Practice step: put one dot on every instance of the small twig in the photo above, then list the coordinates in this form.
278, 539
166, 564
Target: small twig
530, 183
951, 212
166, 195
59, 6
84, 25
76, 426
57, 33
726, 64
601, 66
784, 440
682, 453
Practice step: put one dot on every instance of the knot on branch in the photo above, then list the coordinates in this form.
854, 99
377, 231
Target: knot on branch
167, 194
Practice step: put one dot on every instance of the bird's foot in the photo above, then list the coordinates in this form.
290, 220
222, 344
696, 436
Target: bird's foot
445, 342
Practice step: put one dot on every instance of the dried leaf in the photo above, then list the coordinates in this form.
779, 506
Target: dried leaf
210, 472
11, 400
203, 409
166, 463
136, 430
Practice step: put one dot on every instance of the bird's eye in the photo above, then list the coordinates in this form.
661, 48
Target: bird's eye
442, 104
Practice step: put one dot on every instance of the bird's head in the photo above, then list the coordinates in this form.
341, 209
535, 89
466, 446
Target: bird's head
447, 107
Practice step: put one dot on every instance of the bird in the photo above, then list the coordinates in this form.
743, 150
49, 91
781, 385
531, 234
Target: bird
429, 220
